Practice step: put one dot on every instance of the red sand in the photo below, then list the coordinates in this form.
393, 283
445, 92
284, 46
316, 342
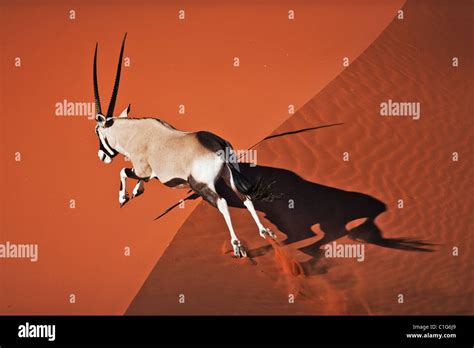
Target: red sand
390, 159
172, 62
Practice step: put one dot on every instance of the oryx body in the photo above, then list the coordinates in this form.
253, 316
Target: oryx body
174, 157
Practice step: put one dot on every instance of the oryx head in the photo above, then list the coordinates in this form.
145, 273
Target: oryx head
106, 152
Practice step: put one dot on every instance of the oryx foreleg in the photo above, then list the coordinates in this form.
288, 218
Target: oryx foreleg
137, 190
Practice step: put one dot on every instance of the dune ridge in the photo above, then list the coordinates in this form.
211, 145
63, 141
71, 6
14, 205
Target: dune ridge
409, 250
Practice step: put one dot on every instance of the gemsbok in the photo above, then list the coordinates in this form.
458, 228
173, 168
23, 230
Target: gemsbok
176, 158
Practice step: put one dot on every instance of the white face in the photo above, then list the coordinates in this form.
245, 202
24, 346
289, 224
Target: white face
105, 151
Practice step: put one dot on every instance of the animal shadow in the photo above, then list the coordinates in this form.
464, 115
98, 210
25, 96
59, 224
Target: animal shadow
330, 207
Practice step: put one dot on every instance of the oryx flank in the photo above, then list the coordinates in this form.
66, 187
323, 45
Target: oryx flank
174, 157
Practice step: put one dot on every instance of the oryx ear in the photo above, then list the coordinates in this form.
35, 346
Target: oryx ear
125, 112
100, 120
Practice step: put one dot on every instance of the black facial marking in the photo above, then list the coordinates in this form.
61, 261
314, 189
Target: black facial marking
109, 122
103, 148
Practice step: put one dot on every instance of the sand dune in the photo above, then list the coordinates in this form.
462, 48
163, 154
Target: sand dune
408, 251
172, 63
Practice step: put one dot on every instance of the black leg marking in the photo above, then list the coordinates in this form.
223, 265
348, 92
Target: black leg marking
140, 189
226, 176
204, 191
130, 173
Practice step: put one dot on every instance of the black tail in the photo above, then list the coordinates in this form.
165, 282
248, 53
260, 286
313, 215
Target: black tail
257, 191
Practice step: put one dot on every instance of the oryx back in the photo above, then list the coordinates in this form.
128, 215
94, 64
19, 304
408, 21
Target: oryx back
157, 150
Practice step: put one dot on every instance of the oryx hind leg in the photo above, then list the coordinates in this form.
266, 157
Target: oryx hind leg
229, 180
208, 192
137, 190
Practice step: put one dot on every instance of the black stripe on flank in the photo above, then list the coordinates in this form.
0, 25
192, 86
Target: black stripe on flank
175, 182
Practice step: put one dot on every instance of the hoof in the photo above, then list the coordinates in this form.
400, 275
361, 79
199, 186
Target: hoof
267, 232
137, 194
239, 250
123, 200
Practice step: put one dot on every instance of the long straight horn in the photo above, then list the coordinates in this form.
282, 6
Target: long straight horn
98, 109
110, 111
